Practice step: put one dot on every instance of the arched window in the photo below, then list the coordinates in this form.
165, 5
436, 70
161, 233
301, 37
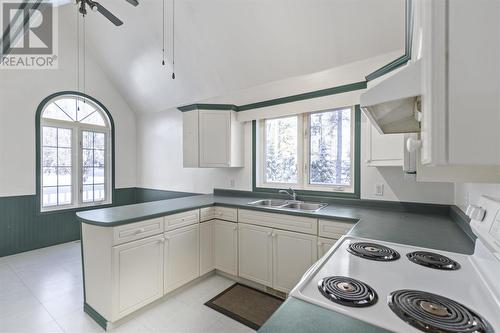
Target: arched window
74, 152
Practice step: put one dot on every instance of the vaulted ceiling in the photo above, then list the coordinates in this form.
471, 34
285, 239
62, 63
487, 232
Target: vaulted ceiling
228, 45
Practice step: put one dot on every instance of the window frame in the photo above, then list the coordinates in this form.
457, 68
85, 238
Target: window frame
76, 154
303, 186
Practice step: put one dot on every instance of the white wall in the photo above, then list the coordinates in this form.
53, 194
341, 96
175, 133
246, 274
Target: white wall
159, 158
21, 91
469, 193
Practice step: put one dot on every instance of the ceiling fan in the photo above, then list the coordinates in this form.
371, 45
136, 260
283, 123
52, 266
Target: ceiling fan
97, 7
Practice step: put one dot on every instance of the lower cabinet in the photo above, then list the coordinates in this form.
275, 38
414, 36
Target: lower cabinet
293, 254
207, 262
182, 256
324, 244
137, 274
255, 250
226, 246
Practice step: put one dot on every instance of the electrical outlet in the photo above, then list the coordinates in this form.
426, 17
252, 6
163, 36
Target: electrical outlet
232, 183
379, 189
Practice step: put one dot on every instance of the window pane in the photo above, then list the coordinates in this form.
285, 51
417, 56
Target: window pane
63, 176
88, 157
98, 175
99, 192
49, 156
49, 176
64, 137
88, 193
49, 196
99, 141
64, 195
53, 112
330, 148
49, 136
88, 175
88, 139
84, 109
64, 157
99, 158
94, 119
281, 150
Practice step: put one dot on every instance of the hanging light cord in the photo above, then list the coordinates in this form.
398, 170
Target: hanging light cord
163, 35
173, 39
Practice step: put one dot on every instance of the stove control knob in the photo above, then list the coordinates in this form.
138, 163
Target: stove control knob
475, 212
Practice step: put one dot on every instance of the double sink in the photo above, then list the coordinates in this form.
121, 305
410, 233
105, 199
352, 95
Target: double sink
292, 205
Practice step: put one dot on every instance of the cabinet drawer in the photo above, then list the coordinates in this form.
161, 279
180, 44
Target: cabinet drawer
130, 232
334, 229
305, 225
181, 219
225, 213
207, 213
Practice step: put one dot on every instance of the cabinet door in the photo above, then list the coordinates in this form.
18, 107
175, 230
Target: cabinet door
182, 256
207, 262
255, 253
293, 254
215, 138
190, 143
226, 246
137, 274
324, 244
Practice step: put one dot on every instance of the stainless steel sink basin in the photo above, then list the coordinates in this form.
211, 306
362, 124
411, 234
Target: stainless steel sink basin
269, 203
289, 205
305, 206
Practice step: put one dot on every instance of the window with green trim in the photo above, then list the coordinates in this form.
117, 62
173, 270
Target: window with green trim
75, 154
309, 151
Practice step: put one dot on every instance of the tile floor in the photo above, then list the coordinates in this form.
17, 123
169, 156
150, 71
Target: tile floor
41, 291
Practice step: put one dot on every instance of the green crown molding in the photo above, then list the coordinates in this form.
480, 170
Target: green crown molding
221, 107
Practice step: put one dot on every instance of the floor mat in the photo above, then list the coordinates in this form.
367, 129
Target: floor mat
249, 306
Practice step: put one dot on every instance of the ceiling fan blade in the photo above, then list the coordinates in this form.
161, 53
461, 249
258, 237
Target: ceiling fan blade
115, 20
133, 2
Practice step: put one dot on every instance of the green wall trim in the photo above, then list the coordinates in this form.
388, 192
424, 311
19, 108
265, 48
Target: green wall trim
357, 165
192, 107
408, 45
38, 144
277, 101
100, 320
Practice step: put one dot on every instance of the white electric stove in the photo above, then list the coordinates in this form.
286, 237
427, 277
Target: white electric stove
410, 289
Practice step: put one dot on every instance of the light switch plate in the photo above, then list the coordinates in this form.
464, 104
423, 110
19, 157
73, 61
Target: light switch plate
379, 189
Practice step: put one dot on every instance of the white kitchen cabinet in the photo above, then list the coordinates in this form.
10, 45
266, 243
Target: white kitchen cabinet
212, 139
137, 274
182, 256
207, 262
255, 260
384, 149
293, 254
226, 246
324, 244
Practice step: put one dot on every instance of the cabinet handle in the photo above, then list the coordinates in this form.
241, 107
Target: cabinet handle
161, 240
319, 243
235, 228
139, 231
270, 233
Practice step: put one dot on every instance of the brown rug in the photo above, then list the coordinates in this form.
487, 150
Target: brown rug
249, 306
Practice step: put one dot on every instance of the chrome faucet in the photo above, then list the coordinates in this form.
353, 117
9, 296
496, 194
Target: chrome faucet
289, 192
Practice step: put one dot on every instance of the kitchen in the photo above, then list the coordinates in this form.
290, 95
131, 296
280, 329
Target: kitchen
323, 173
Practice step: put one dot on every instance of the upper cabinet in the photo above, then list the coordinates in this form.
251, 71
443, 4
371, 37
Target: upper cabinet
212, 139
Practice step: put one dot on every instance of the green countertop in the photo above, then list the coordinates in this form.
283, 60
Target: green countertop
435, 231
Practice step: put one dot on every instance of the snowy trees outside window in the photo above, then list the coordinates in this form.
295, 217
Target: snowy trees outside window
310, 151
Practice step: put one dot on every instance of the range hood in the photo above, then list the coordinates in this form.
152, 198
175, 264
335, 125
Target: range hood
393, 105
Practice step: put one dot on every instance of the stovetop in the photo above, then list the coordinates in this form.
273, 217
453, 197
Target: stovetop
459, 284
